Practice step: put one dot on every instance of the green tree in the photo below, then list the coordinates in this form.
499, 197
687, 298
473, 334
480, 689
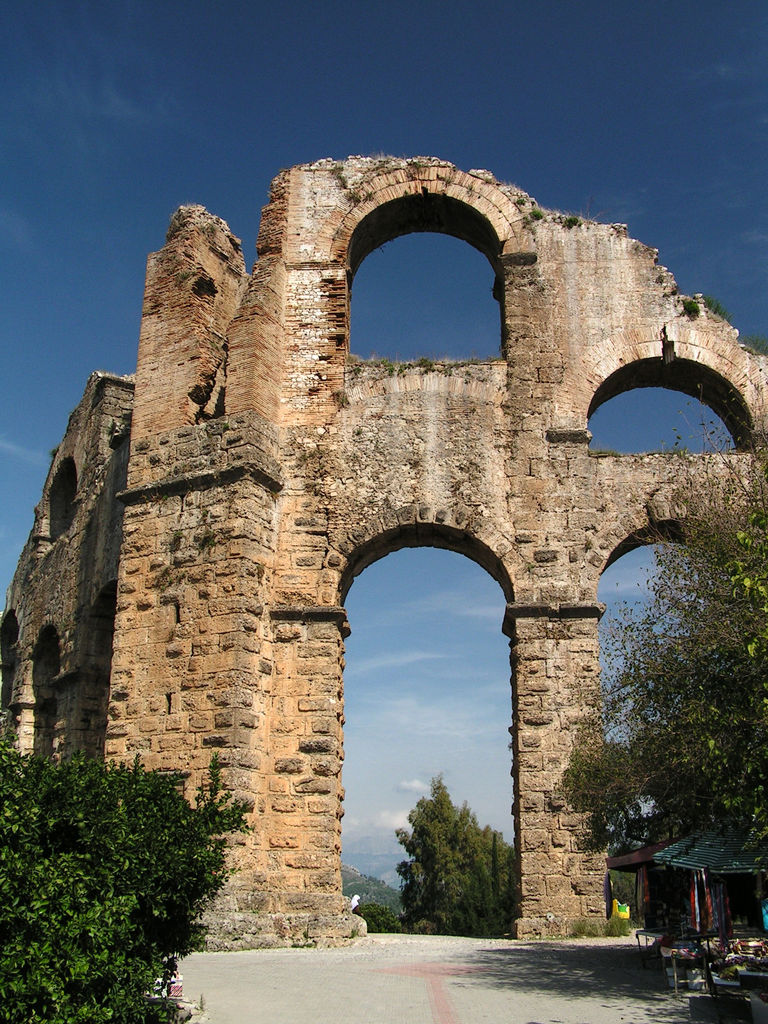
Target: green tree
459, 878
379, 918
681, 739
104, 871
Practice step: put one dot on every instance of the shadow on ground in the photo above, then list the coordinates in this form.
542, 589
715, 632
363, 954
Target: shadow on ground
607, 974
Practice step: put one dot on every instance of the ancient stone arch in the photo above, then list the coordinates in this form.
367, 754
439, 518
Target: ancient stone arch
251, 470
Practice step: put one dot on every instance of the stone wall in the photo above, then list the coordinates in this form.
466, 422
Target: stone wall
57, 629
267, 468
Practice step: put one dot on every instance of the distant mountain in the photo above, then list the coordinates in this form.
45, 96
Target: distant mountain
370, 890
375, 864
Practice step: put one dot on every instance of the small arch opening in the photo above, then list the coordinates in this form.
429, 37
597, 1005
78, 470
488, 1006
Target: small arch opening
9, 638
61, 499
423, 212
425, 296
46, 666
640, 408
89, 726
430, 295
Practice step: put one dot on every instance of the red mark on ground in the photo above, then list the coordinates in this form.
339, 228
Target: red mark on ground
433, 975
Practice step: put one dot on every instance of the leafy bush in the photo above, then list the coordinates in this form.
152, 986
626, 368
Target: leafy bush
691, 308
616, 926
597, 928
104, 870
379, 919
680, 743
587, 928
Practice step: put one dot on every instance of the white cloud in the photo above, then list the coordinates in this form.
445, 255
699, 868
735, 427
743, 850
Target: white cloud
76, 97
390, 820
430, 716
17, 451
456, 602
412, 786
394, 660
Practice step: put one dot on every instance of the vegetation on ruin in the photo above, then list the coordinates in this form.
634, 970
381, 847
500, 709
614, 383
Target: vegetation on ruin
447, 367
681, 739
691, 308
459, 878
715, 306
104, 871
755, 342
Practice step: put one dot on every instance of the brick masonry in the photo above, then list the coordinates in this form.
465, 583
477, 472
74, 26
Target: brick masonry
182, 590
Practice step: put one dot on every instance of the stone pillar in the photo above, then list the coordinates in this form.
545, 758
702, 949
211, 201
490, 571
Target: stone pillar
300, 824
555, 680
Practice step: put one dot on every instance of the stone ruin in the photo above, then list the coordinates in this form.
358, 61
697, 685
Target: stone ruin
182, 589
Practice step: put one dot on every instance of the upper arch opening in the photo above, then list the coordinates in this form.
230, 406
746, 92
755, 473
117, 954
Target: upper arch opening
423, 211
62, 498
690, 378
417, 535
425, 296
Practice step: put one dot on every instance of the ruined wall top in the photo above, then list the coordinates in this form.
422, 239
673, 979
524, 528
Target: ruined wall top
216, 339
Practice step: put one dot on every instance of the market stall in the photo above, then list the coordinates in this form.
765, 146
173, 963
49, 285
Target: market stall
702, 900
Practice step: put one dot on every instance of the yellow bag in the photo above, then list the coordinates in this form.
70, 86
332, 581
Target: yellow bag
620, 910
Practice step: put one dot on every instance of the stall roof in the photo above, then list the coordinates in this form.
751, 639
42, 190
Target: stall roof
733, 850
632, 861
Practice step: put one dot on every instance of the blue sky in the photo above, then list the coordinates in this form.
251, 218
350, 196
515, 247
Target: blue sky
650, 114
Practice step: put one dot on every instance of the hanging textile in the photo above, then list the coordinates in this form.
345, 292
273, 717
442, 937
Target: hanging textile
706, 916
721, 912
642, 891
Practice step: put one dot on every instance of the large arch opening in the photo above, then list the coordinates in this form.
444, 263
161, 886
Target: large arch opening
427, 692
425, 535
638, 408
430, 295
676, 683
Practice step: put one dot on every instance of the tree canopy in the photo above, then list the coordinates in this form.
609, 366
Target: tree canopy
104, 870
680, 741
459, 878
